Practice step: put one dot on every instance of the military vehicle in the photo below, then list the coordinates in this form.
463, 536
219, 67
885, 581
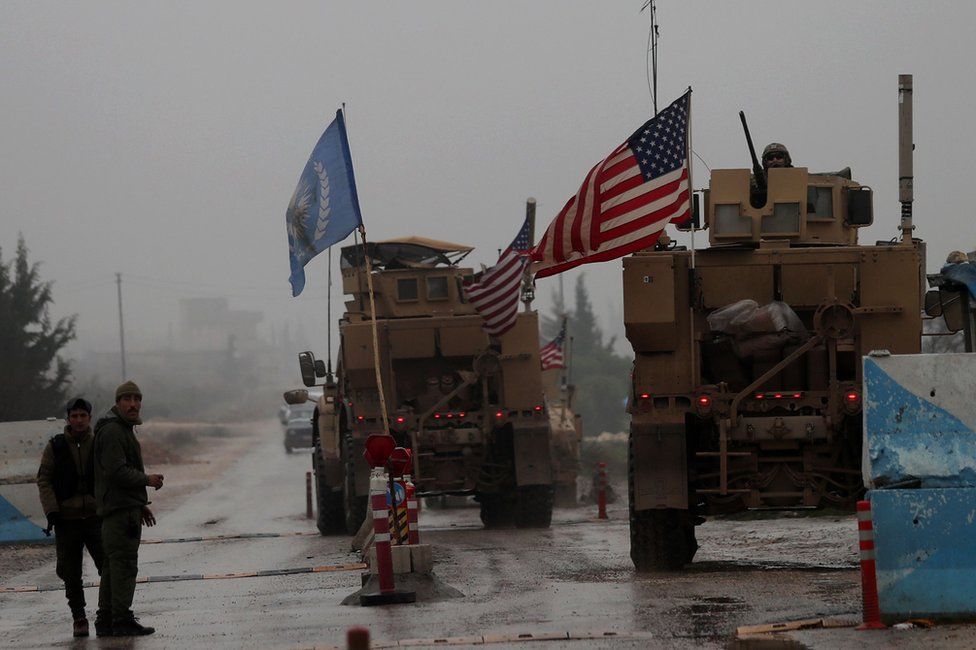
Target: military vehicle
567, 433
470, 408
747, 373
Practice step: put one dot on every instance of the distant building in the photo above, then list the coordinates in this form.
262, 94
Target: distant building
210, 324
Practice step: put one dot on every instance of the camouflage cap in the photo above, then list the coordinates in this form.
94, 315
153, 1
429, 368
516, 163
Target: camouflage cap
777, 147
127, 388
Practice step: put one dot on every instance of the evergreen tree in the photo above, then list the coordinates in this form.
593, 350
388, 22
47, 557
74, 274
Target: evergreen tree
33, 378
602, 378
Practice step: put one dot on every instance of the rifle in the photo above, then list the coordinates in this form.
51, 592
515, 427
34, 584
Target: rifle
757, 168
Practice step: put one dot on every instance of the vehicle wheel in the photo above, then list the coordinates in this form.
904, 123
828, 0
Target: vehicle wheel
660, 540
329, 516
533, 507
496, 511
355, 506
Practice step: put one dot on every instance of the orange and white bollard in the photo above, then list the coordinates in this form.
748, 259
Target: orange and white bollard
308, 496
413, 512
869, 575
381, 542
601, 496
357, 638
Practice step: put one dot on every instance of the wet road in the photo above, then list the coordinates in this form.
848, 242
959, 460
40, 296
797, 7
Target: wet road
575, 577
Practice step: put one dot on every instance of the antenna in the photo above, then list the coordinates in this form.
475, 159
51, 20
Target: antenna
652, 37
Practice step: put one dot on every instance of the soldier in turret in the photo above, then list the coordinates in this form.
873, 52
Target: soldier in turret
776, 155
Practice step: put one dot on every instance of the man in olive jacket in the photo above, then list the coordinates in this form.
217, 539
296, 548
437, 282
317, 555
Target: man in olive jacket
66, 485
120, 495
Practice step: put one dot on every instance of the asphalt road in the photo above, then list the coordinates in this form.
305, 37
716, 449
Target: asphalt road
575, 577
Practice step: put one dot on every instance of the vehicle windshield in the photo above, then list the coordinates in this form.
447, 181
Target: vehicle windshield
407, 253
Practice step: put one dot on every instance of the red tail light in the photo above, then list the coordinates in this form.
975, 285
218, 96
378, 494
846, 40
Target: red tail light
538, 408
450, 415
645, 396
400, 420
437, 416
704, 401
760, 396
360, 417
797, 395
499, 415
461, 414
852, 397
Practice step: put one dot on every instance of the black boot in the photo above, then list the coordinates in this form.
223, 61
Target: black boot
103, 626
131, 628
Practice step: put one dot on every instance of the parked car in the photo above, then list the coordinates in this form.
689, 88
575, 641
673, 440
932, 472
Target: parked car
297, 423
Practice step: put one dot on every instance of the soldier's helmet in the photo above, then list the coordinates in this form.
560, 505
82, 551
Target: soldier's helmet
776, 155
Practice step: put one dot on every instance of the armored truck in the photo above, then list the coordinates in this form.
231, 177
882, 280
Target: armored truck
471, 408
746, 388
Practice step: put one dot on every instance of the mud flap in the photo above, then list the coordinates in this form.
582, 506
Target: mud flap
532, 464
660, 466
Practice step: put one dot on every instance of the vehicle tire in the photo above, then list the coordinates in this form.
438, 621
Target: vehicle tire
660, 540
355, 506
329, 515
496, 511
533, 506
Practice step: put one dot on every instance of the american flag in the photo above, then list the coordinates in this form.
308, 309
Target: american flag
626, 199
495, 295
551, 354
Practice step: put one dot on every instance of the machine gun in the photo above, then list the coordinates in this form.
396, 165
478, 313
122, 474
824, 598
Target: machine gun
757, 168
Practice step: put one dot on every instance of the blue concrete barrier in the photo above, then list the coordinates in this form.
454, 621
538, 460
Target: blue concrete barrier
920, 467
15, 527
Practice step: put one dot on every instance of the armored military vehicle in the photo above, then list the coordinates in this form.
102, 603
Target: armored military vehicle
567, 432
470, 408
747, 372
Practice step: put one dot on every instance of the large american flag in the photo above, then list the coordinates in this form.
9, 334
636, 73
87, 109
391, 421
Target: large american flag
551, 354
626, 199
495, 295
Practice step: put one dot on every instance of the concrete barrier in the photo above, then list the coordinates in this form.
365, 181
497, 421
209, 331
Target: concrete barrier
21, 446
920, 463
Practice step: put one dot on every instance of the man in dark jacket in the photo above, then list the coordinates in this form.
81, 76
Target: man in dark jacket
66, 483
120, 495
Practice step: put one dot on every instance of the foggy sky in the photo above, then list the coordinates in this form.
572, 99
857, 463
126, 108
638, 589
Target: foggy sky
164, 140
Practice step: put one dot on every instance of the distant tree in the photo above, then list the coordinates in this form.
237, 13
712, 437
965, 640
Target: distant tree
601, 377
33, 377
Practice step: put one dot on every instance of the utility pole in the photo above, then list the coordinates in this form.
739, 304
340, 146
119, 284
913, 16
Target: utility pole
118, 284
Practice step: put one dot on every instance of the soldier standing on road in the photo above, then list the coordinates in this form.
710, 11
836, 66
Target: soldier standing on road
66, 483
120, 494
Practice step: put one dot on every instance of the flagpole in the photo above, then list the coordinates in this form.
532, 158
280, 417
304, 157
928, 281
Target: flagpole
691, 273
372, 314
376, 345
328, 317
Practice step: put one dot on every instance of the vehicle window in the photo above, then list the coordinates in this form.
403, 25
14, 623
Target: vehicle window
784, 220
820, 202
406, 289
729, 221
437, 288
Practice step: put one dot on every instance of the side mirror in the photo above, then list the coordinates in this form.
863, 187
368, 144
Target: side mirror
306, 363
298, 396
954, 306
860, 207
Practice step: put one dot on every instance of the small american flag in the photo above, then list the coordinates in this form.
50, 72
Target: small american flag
495, 295
626, 199
551, 353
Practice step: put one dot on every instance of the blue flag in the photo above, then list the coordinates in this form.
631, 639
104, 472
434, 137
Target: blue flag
325, 206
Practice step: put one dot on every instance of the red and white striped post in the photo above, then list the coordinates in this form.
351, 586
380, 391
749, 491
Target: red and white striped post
308, 495
381, 532
869, 575
601, 496
413, 512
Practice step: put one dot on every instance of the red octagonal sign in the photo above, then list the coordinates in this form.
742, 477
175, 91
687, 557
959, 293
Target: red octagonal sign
379, 446
400, 462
